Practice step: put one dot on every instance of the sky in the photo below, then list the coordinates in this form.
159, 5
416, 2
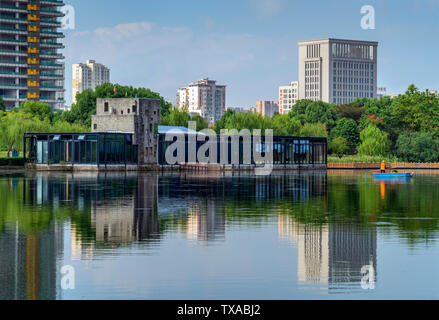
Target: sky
248, 45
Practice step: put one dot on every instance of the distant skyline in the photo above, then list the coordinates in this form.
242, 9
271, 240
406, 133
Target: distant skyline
248, 45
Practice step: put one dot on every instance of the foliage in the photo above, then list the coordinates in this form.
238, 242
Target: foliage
347, 129
37, 109
314, 130
417, 147
374, 142
85, 105
312, 112
361, 159
11, 162
353, 110
2, 104
180, 118
339, 146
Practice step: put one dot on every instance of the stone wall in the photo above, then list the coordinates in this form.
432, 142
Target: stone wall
139, 116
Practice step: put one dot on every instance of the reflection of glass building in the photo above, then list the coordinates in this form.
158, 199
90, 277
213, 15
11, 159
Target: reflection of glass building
203, 223
29, 263
331, 253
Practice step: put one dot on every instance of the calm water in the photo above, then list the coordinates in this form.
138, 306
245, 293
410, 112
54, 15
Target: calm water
288, 236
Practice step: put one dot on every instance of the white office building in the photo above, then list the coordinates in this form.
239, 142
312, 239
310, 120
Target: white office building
204, 98
337, 71
288, 97
88, 75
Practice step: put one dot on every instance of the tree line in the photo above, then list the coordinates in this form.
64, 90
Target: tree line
406, 127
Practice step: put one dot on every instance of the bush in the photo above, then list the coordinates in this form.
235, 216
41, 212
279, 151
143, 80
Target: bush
374, 142
11, 162
417, 147
339, 146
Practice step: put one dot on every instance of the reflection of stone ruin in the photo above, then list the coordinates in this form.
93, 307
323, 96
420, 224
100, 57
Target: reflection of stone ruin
124, 220
331, 253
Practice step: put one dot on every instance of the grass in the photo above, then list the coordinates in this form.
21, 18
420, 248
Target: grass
4, 154
360, 159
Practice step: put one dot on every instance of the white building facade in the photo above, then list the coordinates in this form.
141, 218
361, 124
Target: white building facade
288, 97
337, 71
204, 98
88, 76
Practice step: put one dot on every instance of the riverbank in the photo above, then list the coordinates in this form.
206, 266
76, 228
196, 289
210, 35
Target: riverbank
376, 166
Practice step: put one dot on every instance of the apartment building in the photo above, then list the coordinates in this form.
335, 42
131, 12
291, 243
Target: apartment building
337, 71
288, 97
31, 67
204, 98
267, 108
88, 75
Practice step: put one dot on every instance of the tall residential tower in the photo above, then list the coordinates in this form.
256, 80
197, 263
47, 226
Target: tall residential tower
30, 64
88, 76
337, 71
204, 98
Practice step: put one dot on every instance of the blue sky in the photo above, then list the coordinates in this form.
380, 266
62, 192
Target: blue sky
248, 45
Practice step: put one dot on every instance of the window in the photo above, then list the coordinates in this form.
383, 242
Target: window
106, 107
121, 111
128, 111
134, 109
95, 126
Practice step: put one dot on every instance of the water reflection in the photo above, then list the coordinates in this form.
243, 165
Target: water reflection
331, 224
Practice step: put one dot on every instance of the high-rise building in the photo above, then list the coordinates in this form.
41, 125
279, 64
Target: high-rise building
288, 96
30, 65
88, 75
337, 71
204, 98
267, 108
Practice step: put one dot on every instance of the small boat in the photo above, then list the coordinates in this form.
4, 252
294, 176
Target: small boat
393, 175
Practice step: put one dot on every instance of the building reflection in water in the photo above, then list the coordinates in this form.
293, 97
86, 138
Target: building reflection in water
331, 253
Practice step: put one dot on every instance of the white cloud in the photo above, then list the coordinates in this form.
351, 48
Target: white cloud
267, 8
165, 58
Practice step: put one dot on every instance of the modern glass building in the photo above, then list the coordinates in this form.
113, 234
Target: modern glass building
80, 148
119, 149
31, 66
286, 150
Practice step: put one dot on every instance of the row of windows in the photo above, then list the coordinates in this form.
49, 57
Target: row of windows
312, 87
352, 73
312, 65
353, 87
348, 100
289, 102
352, 65
358, 94
353, 80
288, 91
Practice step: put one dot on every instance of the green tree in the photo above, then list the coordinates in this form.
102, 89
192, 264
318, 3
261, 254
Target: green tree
175, 117
417, 147
2, 104
85, 105
348, 129
221, 123
339, 146
37, 109
353, 110
374, 142
314, 130
308, 111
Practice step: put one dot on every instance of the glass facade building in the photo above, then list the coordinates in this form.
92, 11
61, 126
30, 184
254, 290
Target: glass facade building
286, 150
80, 148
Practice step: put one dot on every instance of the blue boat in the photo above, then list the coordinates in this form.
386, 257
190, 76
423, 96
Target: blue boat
393, 175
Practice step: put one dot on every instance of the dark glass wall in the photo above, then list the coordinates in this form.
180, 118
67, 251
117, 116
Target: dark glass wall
286, 150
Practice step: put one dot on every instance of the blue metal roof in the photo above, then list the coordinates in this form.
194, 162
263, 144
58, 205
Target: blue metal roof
174, 129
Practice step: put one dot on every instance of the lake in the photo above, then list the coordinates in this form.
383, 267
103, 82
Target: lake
308, 235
